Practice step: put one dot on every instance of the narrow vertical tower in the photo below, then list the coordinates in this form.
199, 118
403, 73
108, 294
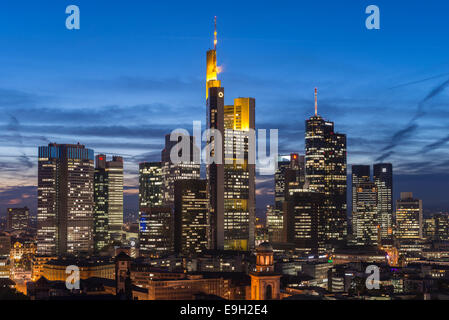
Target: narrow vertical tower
212, 70
316, 102
215, 169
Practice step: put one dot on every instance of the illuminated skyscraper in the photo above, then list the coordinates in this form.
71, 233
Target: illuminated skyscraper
279, 181
155, 220
101, 199
65, 199
191, 216
114, 169
360, 173
150, 184
326, 173
365, 223
275, 224
383, 178
108, 196
231, 185
239, 176
409, 219
181, 170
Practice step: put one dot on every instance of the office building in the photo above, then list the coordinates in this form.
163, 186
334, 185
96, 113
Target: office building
65, 199
365, 225
304, 212
360, 173
191, 225
150, 184
108, 196
179, 170
409, 217
18, 219
231, 185
275, 224
326, 173
383, 178
155, 231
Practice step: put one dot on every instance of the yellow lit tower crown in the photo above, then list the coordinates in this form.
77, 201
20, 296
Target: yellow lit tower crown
212, 69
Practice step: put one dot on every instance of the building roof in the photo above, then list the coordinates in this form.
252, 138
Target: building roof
264, 247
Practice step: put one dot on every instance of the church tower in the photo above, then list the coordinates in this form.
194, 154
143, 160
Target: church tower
265, 283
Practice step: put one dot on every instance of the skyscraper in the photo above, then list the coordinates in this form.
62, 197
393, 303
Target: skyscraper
409, 219
275, 224
155, 231
304, 212
155, 220
65, 199
150, 184
182, 170
108, 196
360, 173
191, 225
365, 214
239, 176
114, 169
101, 199
326, 173
231, 185
383, 178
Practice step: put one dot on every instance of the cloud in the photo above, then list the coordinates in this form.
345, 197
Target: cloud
412, 127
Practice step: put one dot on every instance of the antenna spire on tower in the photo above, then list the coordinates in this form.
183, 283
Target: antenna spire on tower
215, 33
316, 103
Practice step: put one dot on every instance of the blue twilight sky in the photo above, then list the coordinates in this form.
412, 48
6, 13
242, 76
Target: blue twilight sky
136, 70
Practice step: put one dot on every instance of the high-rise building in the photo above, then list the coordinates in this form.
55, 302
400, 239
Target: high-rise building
231, 185
326, 173
150, 184
155, 220
409, 218
239, 176
279, 181
114, 169
181, 170
429, 228
383, 178
191, 225
65, 199
304, 212
108, 196
155, 231
365, 214
360, 173
440, 227
18, 219
275, 224
290, 173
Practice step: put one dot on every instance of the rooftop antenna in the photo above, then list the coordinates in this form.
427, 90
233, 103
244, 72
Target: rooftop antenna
316, 103
215, 33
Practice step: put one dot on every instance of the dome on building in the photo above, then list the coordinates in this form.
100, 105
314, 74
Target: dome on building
264, 247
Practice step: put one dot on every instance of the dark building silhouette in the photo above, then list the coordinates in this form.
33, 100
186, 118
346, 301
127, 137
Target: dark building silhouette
304, 214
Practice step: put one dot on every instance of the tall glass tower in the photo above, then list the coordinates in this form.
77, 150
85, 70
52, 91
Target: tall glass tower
65, 199
326, 173
383, 178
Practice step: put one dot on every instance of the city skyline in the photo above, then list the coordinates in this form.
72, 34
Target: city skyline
129, 103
